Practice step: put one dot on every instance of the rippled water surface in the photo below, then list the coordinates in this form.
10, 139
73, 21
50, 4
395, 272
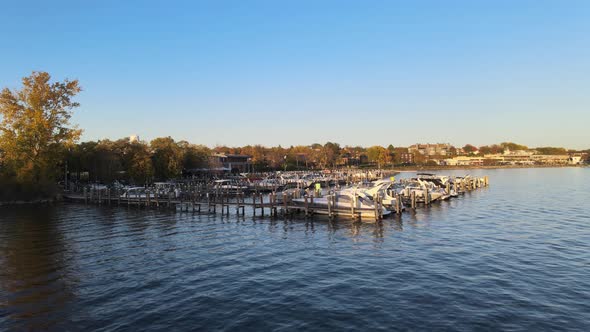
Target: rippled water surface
514, 256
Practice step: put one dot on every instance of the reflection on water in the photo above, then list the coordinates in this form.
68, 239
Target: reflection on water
510, 256
35, 267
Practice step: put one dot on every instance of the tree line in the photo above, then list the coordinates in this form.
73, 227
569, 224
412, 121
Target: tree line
38, 145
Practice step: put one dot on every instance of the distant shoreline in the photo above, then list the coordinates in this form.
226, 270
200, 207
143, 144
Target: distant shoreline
465, 167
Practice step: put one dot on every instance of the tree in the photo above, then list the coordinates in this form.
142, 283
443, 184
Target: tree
331, 153
492, 149
548, 150
167, 158
193, 156
35, 129
139, 163
379, 155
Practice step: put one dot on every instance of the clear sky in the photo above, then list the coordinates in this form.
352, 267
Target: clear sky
298, 72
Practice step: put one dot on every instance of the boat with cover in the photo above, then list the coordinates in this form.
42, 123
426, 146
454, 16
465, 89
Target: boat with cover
385, 189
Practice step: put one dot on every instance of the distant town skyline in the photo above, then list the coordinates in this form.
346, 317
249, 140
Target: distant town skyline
296, 73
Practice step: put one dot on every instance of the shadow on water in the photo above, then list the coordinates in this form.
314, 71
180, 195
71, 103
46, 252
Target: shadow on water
35, 275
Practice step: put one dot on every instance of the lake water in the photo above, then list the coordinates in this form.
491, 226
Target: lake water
514, 256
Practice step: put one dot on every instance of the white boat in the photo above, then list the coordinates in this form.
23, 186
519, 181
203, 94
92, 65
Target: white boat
231, 186
385, 189
137, 192
345, 203
439, 180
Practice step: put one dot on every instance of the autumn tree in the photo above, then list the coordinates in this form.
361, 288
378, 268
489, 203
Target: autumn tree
35, 129
491, 149
468, 148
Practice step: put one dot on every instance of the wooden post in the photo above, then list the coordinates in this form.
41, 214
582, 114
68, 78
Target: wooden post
329, 201
376, 203
306, 205
448, 188
426, 197
413, 199
352, 206
285, 205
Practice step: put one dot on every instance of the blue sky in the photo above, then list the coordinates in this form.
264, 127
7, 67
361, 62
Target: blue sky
298, 72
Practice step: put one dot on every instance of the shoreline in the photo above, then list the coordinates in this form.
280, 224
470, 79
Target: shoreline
454, 168
408, 169
31, 202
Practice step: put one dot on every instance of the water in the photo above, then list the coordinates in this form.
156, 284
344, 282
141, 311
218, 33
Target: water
514, 256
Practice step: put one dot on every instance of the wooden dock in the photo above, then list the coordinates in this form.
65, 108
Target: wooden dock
202, 200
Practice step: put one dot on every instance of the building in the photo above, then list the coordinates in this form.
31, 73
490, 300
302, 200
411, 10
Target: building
235, 163
133, 138
406, 158
463, 161
438, 149
513, 158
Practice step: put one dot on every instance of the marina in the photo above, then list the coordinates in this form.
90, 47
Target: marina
336, 196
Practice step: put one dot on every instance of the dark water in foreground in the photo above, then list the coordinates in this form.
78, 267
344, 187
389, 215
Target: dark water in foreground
514, 256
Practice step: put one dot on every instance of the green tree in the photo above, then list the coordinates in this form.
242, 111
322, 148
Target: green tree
331, 154
379, 155
193, 156
140, 166
35, 129
167, 158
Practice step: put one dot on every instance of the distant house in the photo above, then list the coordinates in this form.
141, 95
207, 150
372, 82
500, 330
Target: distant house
353, 159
